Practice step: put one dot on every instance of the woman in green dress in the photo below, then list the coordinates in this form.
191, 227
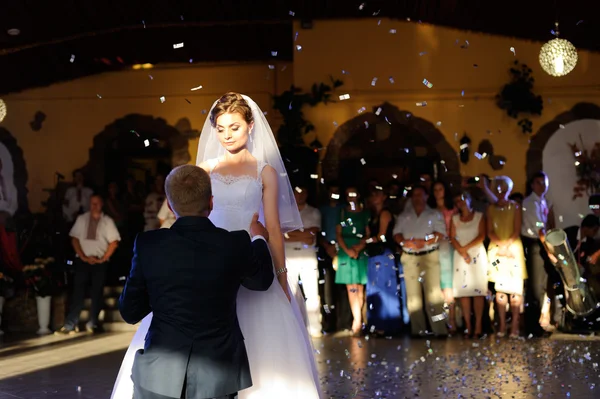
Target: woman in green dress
352, 232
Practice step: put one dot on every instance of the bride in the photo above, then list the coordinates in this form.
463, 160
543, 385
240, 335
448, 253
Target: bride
238, 149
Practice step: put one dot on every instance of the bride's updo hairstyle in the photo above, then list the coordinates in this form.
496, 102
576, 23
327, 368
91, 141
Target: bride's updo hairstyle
231, 103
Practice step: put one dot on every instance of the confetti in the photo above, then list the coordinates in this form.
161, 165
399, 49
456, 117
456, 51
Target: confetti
374, 82
178, 45
427, 83
291, 13
362, 161
72, 58
344, 97
163, 99
273, 53
196, 88
393, 31
422, 53
512, 49
298, 47
391, 80
146, 143
422, 104
99, 96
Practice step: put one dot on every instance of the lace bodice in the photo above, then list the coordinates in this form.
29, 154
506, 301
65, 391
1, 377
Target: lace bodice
235, 198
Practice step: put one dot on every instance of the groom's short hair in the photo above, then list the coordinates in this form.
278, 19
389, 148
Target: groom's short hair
188, 190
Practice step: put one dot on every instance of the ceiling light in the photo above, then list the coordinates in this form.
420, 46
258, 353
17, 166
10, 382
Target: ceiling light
558, 57
14, 32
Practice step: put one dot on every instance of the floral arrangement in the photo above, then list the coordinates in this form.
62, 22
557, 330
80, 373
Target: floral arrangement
6, 285
41, 278
587, 165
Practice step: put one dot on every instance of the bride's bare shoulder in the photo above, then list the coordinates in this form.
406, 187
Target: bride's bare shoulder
268, 174
208, 165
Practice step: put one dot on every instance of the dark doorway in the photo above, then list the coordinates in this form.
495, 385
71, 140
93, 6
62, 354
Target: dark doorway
389, 144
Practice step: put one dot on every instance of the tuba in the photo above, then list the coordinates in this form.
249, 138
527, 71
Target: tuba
579, 298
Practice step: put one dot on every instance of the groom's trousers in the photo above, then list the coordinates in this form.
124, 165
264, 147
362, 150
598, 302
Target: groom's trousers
141, 393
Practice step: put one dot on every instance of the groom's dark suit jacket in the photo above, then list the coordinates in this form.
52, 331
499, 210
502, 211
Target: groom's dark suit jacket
189, 276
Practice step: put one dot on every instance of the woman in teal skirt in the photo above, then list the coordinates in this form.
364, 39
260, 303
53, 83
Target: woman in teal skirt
352, 231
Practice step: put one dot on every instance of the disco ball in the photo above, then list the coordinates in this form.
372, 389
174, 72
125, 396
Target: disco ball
558, 57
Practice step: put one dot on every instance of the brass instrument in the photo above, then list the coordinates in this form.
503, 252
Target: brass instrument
579, 298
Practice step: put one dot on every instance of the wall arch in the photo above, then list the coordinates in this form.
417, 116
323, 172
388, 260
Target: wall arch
19, 174
549, 151
145, 126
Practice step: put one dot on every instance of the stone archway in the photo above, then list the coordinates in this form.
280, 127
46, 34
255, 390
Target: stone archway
154, 128
388, 113
534, 161
19, 176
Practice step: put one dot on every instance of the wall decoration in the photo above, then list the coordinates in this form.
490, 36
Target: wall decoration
184, 126
486, 151
465, 143
518, 98
38, 120
290, 104
587, 166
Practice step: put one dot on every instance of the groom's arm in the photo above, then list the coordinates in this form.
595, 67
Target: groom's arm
257, 265
134, 303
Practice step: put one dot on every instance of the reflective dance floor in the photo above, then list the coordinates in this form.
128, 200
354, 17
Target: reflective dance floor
562, 366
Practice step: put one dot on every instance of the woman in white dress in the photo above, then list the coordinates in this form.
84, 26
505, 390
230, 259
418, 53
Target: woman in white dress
467, 233
238, 149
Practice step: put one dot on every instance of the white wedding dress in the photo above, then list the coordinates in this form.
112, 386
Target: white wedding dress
279, 349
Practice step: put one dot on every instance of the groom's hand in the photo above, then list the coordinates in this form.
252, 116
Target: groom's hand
257, 229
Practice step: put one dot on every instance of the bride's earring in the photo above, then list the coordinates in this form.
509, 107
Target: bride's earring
250, 137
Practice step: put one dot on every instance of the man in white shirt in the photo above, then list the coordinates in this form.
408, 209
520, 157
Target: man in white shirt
95, 238
302, 262
537, 218
77, 198
418, 230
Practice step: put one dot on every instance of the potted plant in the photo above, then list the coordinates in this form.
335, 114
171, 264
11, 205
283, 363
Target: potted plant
41, 279
6, 291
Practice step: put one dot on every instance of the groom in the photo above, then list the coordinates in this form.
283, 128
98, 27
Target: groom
189, 276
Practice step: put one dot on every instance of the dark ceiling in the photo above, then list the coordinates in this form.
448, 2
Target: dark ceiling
109, 34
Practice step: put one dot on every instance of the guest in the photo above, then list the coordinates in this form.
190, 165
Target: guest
395, 198
467, 233
441, 200
518, 198
537, 218
335, 313
134, 207
166, 217
426, 181
154, 201
95, 238
587, 246
418, 231
114, 206
352, 230
301, 260
77, 198
384, 311
505, 254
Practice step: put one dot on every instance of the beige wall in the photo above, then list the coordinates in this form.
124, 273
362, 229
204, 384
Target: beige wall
367, 50
75, 114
